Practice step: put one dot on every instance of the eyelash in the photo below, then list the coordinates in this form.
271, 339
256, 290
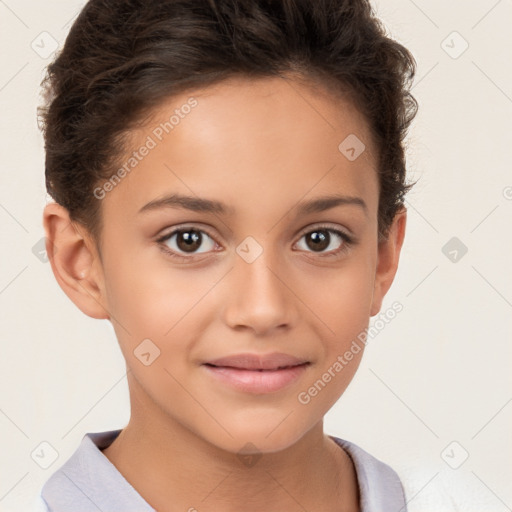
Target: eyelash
348, 241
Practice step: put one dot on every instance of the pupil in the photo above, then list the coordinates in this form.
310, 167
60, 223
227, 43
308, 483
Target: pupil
191, 240
321, 239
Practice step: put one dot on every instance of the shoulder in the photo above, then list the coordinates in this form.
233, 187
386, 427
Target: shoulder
88, 481
380, 487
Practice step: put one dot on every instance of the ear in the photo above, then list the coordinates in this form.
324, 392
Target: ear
75, 261
387, 260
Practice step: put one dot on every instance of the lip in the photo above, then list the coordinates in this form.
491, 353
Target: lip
253, 373
249, 361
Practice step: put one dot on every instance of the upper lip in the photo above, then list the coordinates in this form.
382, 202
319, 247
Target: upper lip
249, 361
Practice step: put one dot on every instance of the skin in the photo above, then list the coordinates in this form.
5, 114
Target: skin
260, 147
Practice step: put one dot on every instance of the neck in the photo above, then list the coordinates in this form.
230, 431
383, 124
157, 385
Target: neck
174, 469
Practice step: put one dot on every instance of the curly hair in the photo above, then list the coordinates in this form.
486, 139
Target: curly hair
122, 58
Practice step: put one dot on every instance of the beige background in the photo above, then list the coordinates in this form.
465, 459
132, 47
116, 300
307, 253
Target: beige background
438, 373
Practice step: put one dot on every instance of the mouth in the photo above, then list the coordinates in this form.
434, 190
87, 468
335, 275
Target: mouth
252, 373
255, 369
274, 361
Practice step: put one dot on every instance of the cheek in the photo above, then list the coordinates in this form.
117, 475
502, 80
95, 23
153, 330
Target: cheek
148, 296
160, 314
342, 299
343, 305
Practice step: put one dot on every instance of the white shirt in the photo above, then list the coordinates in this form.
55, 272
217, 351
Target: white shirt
89, 482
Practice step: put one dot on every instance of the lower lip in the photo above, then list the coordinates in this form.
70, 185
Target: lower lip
255, 381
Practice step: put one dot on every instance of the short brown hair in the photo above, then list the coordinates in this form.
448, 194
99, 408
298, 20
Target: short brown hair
122, 58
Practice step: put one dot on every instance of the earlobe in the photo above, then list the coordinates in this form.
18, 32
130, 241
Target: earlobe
387, 260
73, 261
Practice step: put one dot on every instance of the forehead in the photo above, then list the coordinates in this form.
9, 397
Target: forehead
243, 139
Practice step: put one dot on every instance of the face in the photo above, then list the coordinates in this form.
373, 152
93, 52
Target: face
255, 261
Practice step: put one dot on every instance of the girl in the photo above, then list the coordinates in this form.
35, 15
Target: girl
228, 178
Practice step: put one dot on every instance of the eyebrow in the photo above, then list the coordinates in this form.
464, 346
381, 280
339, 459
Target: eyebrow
198, 204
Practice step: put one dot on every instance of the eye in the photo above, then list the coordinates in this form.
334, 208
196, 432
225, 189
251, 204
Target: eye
187, 240
324, 239
184, 243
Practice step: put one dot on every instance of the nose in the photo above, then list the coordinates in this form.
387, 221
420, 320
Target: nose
259, 297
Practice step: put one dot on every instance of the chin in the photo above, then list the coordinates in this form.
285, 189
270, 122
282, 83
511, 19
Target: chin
260, 434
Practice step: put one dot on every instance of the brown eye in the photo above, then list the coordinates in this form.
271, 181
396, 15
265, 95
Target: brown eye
325, 240
187, 241
318, 240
